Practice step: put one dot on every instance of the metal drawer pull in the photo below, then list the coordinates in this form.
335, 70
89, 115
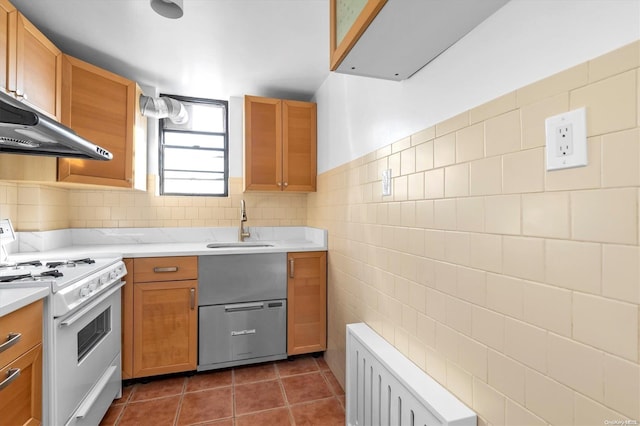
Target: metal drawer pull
165, 269
292, 263
243, 332
12, 339
192, 298
243, 307
12, 374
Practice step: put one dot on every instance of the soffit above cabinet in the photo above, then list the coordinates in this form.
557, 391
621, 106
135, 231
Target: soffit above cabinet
405, 35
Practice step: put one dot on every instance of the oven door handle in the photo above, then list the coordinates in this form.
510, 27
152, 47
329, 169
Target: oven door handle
95, 393
72, 319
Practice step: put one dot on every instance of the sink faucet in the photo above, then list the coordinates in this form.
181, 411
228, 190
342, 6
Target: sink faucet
243, 218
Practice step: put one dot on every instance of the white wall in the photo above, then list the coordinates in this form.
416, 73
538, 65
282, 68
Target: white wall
523, 42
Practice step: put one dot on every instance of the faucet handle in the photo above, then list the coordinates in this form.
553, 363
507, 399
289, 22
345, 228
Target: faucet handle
243, 211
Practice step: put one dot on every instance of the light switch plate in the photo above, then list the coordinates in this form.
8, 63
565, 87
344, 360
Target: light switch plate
386, 182
566, 140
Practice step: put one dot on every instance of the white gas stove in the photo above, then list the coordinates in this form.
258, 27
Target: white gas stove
82, 330
73, 282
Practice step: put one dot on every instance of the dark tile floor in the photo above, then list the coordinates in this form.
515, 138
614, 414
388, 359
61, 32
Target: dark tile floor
302, 391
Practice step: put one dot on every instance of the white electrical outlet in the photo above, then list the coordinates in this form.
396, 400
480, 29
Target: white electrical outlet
567, 140
386, 182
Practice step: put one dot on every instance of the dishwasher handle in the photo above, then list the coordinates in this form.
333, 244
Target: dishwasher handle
239, 307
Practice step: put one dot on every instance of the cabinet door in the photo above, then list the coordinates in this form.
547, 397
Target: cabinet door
102, 107
127, 321
348, 21
299, 146
165, 327
307, 303
38, 78
21, 398
262, 144
7, 41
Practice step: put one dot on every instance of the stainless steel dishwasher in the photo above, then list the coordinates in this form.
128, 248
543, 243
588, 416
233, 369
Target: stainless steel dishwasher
242, 309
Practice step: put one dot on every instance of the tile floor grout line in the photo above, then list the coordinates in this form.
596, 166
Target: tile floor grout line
177, 414
279, 374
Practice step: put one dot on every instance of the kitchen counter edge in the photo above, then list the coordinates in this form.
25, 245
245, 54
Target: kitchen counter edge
165, 250
12, 299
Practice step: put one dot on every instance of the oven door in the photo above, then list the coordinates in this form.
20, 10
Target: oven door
87, 344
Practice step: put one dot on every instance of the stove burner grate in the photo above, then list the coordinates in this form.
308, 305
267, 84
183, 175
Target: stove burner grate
70, 262
20, 264
9, 278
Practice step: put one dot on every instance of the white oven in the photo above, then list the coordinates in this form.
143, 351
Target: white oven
82, 334
86, 363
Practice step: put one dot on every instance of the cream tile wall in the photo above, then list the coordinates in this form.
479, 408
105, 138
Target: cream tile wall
516, 288
35, 207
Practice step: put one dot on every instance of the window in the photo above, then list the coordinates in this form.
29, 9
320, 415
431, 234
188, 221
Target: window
194, 157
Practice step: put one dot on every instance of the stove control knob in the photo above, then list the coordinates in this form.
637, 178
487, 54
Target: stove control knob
92, 286
84, 291
104, 279
113, 275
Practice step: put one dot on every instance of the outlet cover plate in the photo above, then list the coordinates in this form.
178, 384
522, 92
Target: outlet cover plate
566, 140
386, 182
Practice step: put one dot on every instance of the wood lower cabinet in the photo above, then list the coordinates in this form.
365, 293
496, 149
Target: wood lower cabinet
307, 302
21, 367
104, 108
161, 337
127, 321
280, 145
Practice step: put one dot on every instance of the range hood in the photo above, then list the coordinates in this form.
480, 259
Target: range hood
23, 130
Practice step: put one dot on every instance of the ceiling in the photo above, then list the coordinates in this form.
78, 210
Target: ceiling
218, 49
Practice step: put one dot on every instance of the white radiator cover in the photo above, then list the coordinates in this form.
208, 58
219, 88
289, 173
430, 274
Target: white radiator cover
383, 387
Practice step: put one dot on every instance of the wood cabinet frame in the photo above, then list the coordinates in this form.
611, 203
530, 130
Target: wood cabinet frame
338, 51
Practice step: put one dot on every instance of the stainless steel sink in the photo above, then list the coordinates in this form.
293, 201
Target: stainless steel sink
238, 244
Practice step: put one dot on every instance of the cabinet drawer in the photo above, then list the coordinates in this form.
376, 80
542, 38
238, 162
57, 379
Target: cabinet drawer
27, 322
175, 268
21, 391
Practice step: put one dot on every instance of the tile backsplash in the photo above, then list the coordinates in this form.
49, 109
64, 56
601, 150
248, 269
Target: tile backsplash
516, 288
35, 207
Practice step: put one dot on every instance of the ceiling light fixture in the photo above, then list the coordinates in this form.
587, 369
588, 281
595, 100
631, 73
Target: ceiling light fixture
168, 8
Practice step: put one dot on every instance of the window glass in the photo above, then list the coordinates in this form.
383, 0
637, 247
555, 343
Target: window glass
194, 156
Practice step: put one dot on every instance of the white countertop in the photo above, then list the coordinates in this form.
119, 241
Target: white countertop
159, 242
12, 299
164, 249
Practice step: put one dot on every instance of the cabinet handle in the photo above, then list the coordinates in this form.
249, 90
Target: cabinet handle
292, 263
286, 184
12, 339
165, 269
12, 374
192, 298
279, 184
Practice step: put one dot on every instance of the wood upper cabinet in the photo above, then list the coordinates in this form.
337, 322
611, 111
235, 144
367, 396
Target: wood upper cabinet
279, 145
307, 302
21, 367
7, 49
165, 316
348, 21
104, 108
30, 64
